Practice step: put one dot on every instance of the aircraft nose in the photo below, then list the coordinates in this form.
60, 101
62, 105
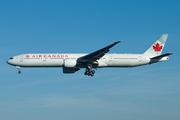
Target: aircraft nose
10, 61
7, 61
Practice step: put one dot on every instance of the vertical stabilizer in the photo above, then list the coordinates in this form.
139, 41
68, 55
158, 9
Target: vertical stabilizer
157, 47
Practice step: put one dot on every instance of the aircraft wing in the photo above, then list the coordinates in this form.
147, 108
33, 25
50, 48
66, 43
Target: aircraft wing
97, 54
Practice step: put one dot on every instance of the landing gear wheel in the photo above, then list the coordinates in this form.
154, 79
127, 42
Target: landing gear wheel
85, 73
92, 75
18, 67
93, 71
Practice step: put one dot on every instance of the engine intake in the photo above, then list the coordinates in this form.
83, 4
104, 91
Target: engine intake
70, 63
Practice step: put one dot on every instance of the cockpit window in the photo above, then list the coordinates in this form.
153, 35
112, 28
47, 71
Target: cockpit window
11, 58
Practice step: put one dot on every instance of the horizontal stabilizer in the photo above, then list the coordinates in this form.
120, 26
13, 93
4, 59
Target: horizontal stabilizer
161, 56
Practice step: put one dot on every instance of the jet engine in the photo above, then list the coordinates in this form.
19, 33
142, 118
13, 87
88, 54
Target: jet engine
70, 63
69, 66
70, 70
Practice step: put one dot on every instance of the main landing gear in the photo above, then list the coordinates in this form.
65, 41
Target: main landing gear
89, 70
18, 69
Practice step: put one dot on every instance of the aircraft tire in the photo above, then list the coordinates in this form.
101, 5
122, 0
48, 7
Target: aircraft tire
85, 73
92, 75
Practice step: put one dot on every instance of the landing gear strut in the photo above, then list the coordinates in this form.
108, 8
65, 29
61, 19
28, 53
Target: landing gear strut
89, 70
18, 69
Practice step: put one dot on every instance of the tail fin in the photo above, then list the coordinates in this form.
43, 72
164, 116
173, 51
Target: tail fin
158, 46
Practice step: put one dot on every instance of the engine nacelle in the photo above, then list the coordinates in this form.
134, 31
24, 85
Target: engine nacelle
69, 70
70, 63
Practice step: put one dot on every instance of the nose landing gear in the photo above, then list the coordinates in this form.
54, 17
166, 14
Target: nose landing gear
18, 69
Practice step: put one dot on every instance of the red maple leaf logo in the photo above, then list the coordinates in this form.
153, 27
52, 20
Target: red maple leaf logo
27, 56
157, 48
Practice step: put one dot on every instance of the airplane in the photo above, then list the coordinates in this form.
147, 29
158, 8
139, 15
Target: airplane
98, 59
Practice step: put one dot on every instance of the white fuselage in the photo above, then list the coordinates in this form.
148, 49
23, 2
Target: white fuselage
73, 62
57, 60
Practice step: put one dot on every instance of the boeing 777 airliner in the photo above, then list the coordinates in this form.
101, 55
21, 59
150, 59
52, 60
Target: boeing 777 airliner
98, 59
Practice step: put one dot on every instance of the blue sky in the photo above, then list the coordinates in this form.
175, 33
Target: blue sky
141, 93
